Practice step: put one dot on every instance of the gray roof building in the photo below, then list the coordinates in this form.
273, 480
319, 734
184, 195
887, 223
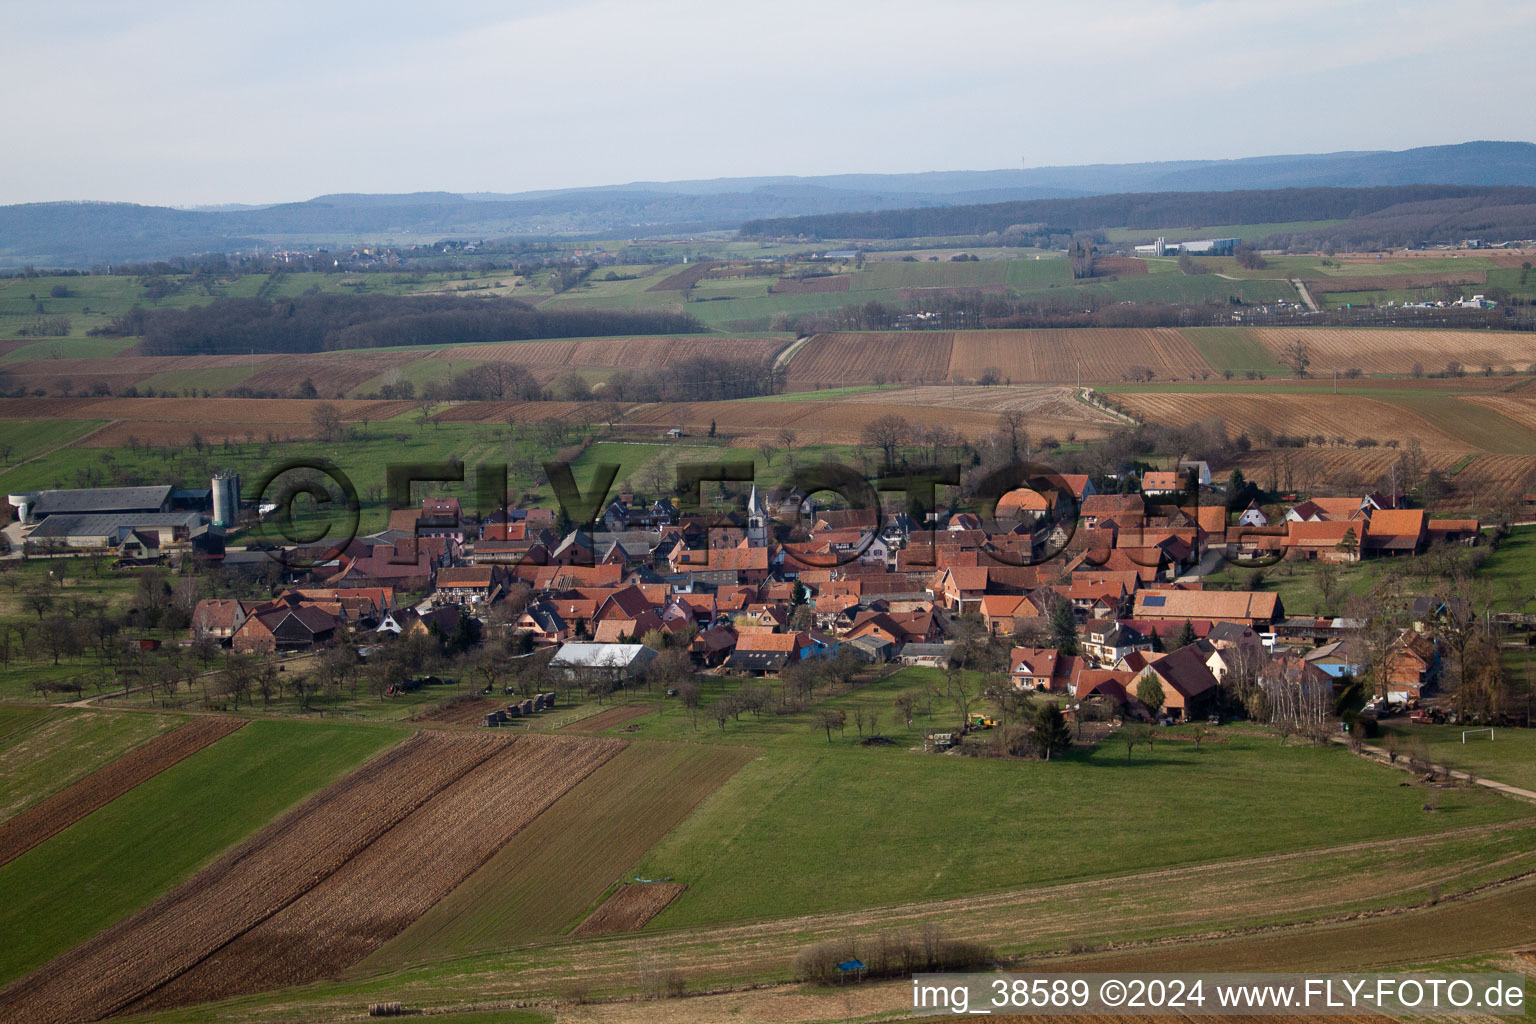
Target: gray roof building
88, 530
100, 500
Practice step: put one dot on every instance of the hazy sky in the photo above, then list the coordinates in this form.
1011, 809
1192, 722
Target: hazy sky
183, 103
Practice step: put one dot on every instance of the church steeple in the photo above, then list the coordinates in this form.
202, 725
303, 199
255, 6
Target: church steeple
757, 521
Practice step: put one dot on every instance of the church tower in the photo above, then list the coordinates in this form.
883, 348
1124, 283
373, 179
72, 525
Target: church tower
757, 521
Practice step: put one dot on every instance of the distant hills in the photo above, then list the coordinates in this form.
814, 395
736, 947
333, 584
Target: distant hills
84, 234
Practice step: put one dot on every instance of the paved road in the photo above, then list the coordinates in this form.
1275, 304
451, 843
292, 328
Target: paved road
1306, 296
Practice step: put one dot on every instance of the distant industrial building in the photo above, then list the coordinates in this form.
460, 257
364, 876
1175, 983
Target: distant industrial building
1197, 247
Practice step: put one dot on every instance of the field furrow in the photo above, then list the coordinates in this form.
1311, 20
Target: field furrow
246, 886
552, 871
630, 907
1398, 351
1331, 417
376, 894
101, 787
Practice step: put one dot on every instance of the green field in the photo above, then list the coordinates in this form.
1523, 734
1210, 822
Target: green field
1510, 572
546, 878
1179, 233
816, 830
364, 457
1296, 583
1233, 348
212, 381
27, 439
125, 855
1510, 757
16, 719
1476, 424
68, 746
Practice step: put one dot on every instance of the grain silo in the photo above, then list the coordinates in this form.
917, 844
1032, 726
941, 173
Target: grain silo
226, 498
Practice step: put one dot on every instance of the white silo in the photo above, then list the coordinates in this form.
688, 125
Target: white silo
226, 498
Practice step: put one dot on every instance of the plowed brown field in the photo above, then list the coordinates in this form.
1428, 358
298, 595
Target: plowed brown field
1102, 354
284, 411
1346, 416
811, 285
841, 359
630, 908
1396, 351
332, 373
629, 353
101, 787
374, 895
838, 422
471, 711
1314, 468
1099, 354
1490, 480
519, 412
610, 718
246, 886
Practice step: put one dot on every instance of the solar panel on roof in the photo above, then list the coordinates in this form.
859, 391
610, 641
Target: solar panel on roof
1155, 602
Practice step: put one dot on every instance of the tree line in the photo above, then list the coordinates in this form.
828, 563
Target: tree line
321, 323
1148, 210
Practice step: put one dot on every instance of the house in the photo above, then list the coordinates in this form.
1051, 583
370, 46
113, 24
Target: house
1189, 688
1317, 510
1252, 608
927, 655
1042, 669
1160, 482
999, 612
1104, 685
769, 653
1080, 484
1022, 503
1106, 641
1401, 531
1326, 540
1253, 516
1335, 659
217, 618
1199, 468
1412, 666
1101, 506
1453, 531
712, 647
468, 585
874, 650
543, 623
961, 588
619, 664
284, 629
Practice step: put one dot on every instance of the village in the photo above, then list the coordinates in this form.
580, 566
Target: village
1098, 602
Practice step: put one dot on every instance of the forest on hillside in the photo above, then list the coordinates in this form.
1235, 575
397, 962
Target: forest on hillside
322, 323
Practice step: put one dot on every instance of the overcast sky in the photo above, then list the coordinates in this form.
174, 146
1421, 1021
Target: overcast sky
182, 103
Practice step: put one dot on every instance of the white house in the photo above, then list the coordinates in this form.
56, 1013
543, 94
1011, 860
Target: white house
1253, 516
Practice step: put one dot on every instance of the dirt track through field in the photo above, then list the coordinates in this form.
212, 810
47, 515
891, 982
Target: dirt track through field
375, 895
53, 815
246, 886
